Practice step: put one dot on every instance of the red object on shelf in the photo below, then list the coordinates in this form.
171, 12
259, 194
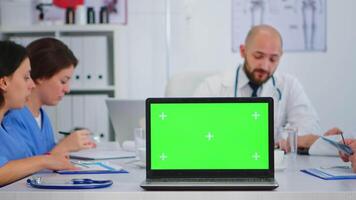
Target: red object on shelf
68, 3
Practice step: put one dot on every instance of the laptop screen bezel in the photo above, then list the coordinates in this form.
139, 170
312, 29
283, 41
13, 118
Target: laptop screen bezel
219, 173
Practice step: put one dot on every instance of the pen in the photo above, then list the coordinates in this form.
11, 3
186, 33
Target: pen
64, 132
68, 133
343, 140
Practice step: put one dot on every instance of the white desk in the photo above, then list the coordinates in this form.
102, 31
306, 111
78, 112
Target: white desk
293, 185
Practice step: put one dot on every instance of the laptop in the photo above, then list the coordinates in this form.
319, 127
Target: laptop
125, 116
209, 144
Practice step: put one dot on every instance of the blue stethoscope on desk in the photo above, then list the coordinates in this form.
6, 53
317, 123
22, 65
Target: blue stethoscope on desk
85, 183
273, 82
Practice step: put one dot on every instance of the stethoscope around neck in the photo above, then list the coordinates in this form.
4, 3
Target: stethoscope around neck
273, 82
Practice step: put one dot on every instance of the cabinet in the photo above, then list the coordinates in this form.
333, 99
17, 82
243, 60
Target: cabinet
94, 79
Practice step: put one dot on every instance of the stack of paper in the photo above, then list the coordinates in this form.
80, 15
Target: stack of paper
94, 168
95, 154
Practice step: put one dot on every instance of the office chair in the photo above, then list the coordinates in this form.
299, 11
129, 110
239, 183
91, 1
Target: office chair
184, 84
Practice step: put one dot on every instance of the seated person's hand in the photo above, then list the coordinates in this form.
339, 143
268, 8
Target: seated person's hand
352, 158
305, 141
76, 141
353, 162
346, 158
333, 131
58, 161
283, 145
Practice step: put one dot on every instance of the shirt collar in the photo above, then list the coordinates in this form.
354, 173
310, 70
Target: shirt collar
243, 79
229, 79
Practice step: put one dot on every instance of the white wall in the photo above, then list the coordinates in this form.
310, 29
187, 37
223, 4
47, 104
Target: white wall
142, 50
328, 77
201, 38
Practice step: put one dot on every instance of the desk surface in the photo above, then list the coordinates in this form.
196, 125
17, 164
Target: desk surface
293, 184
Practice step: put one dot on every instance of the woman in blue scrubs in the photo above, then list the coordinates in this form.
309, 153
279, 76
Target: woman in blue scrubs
52, 64
15, 87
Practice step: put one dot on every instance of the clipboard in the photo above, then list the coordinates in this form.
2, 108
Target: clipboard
331, 173
86, 183
341, 147
94, 167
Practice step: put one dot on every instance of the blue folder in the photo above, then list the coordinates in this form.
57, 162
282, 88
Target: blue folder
331, 173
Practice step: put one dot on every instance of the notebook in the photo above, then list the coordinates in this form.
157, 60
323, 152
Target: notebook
209, 143
125, 116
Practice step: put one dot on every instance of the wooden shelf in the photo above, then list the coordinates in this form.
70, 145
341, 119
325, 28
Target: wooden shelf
93, 89
60, 28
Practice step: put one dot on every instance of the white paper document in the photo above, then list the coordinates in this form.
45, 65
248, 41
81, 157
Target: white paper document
94, 154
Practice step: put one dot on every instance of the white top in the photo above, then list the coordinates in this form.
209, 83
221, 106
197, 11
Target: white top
39, 120
294, 108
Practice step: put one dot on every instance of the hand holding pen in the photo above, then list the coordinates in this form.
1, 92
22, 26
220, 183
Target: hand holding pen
93, 137
64, 133
349, 142
350, 158
75, 141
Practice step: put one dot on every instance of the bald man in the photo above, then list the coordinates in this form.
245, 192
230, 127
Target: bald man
256, 77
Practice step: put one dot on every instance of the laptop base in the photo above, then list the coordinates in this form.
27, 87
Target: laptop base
188, 185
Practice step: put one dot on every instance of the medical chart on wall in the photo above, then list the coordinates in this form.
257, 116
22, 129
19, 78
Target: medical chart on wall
302, 23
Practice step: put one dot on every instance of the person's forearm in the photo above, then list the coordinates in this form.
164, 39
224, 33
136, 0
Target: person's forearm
17, 169
305, 141
59, 148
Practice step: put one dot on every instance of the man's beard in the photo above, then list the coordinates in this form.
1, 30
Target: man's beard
252, 78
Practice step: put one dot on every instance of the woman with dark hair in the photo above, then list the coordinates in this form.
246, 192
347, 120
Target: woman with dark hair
15, 87
52, 65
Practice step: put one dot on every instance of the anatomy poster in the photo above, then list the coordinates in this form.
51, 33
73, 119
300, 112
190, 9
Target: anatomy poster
302, 23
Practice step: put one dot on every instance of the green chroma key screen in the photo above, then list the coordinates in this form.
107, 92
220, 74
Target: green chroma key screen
209, 136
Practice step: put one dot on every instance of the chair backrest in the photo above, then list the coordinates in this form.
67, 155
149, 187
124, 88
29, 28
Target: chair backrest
185, 83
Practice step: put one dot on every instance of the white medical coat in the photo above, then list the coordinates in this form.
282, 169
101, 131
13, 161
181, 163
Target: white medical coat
294, 107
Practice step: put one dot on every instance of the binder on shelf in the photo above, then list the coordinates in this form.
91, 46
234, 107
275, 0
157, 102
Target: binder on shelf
28, 40
102, 117
90, 113
78, 110
76, 45
96, 115
88, 53
52, 114
17, 40
87, 111
64, 115
67, 41
95, 63
100, 69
